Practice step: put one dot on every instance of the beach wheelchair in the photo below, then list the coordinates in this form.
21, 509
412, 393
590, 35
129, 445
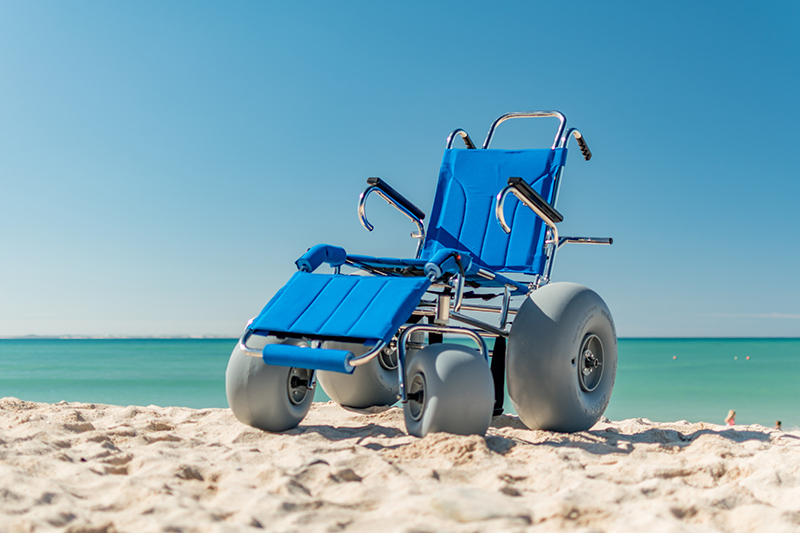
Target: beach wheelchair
375, 330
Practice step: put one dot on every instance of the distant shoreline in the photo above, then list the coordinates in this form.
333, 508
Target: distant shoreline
117, 337
226, 337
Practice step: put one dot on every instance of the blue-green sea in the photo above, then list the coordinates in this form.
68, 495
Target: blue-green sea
660, 379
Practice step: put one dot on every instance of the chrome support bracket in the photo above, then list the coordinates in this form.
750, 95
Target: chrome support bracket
427, 328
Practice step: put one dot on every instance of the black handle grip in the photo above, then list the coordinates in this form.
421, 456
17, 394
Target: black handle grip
396, 197
587, 154
535, 198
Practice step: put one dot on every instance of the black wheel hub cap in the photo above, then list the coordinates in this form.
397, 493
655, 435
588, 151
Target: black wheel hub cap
590, 362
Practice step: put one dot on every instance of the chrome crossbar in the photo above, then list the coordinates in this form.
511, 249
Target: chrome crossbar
529, 114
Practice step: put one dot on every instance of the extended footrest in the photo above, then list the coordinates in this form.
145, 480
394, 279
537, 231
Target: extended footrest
305, 357
361, 309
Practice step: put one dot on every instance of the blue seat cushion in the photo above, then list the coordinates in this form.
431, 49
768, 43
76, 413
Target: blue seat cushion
463, 215
333, 306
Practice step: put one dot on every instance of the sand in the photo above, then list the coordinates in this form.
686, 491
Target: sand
99, 468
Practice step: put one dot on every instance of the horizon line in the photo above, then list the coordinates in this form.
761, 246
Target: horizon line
226, 337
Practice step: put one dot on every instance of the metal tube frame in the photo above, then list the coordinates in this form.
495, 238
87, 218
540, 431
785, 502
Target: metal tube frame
584, 240
427, 328
354, 362
557, 143
553, 230
464, 135
362, 214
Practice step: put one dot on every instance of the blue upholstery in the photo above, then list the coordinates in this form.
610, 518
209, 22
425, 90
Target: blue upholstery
304, 357
463, 211
321, 253
364, 308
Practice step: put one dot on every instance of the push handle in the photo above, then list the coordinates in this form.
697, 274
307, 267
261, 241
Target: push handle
464, 135
587, 154
396, 196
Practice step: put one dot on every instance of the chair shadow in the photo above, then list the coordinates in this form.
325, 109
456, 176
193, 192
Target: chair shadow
611, 441
598, 442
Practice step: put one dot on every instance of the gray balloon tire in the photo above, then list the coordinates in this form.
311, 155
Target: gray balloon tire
369, 385
458, 391
551, 328
258, 394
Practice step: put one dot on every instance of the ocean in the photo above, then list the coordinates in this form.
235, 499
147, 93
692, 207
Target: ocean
663, 380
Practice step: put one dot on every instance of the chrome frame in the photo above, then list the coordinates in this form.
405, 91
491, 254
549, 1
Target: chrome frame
362, 214
499, 211
583, 240
557, 143
355, 361
426, 328
464, 135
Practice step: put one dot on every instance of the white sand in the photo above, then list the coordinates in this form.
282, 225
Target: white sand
82, 467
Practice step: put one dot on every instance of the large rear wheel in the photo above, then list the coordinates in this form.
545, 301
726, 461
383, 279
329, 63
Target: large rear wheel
562, 358
374, 383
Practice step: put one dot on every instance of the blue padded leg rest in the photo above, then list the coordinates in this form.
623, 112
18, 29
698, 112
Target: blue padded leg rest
304, 357
365, 309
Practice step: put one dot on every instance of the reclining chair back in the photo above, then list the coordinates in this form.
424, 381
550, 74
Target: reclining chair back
463, 216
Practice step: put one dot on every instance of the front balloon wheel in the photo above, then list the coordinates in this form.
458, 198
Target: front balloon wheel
272, 398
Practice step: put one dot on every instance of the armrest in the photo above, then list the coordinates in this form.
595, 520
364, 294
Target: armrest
396, 197
321, 253
520, 188
534, 197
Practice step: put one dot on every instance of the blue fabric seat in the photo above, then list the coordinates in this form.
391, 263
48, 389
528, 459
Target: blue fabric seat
463, 210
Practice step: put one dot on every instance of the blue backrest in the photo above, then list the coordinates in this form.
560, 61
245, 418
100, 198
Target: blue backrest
463, 216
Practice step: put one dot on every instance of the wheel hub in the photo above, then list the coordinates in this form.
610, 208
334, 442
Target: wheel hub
298, 385
416, 396
590, 362
387, 358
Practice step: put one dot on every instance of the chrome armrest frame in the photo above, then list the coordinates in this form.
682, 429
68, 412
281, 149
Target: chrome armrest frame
549, 241
499, 210
362, 214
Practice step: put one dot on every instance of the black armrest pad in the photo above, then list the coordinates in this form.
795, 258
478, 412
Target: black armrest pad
535, 198
396, 196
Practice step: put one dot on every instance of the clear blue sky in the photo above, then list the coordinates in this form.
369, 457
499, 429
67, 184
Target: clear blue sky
162, 164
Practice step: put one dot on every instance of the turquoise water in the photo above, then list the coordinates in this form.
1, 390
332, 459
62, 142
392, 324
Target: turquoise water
659, 379
707, 378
